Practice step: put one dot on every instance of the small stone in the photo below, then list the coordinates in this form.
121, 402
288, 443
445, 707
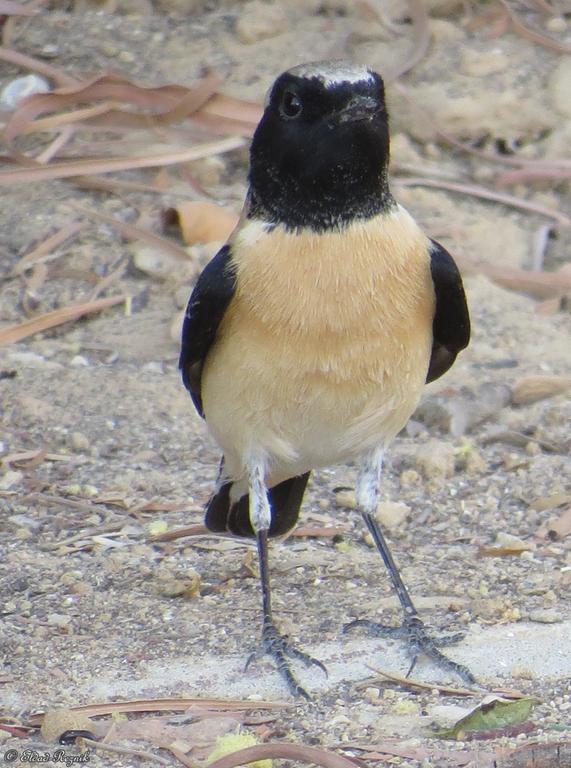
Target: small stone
128, 57
20, 88
410, 477
436, 459
187, 587
59, 620
79, 361
522, 673
545, 616
392, 514
372, 695
162, 265
208, 171
346, 498
560, 87
482, 64
475, 463
9, 479
259, 21
405, 707
556, 24
368, 539
79, 442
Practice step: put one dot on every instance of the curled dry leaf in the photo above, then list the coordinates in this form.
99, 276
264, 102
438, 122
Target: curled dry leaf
298, 752
163, 105
201, 221
57, 722
557, 528
530, 389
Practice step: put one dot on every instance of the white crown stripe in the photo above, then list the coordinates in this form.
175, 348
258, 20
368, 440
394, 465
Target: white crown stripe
333, 72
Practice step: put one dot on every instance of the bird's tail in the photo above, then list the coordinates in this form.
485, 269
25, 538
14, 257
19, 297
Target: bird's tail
225, 516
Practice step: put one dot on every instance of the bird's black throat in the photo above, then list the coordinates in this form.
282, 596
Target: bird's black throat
322, 171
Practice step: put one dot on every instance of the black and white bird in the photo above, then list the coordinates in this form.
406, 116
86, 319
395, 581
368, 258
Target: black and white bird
309, 337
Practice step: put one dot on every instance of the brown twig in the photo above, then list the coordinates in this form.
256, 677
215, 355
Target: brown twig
35, 65
407, 682
133, 232
138, 753
63, 170
532, 34
49, 320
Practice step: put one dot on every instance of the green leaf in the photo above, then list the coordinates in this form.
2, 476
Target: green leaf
491, 715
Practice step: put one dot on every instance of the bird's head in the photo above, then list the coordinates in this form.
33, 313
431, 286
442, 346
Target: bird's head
320, 153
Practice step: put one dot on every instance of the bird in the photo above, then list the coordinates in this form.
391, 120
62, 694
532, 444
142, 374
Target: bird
309, 337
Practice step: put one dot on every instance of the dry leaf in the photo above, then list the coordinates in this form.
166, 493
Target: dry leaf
298, 752
557, 528
490, 717
57, 722
550, 502
202, 222
529, 389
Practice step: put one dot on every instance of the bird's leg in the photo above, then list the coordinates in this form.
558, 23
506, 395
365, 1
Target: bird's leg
412, 628
273, 642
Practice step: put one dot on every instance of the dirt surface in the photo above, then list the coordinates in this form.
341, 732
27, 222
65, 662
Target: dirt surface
94, 610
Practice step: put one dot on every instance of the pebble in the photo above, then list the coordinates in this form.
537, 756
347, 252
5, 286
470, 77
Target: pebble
392, 514
79, 361
18, 89
560, 87
436, 459
556, 24
482, 64
160, 264
60, 620
545, 616
405, 707
79, 442
259, 21
410, 477
9, 479
522, 673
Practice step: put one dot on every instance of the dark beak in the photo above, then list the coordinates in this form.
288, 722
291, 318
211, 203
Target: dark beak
359, 108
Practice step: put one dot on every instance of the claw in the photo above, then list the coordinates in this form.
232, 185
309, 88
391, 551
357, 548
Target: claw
279, 648
419, 642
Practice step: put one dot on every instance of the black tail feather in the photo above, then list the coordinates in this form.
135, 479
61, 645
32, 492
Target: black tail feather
285, 500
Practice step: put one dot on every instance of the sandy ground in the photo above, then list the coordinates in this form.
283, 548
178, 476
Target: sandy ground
95, 611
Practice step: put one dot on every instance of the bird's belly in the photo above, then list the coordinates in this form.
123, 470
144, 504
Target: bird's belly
301, 403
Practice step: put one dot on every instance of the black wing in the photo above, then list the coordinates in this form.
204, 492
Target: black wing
204, 312
451, 324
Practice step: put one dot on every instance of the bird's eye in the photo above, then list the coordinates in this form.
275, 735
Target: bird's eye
291, 106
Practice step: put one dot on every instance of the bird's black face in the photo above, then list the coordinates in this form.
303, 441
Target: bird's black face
320, 153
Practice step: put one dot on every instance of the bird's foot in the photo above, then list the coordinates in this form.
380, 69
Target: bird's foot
280, 649
419, 642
